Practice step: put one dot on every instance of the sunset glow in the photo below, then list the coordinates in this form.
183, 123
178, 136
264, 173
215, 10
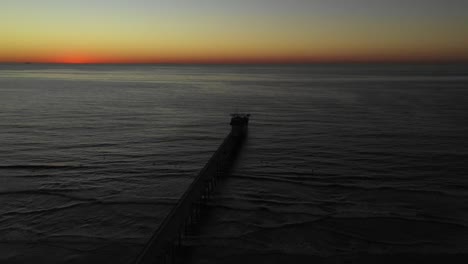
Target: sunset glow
208, 31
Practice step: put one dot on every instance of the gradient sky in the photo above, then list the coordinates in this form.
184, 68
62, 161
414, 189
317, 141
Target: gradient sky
231, 31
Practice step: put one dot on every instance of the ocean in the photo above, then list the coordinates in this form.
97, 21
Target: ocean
343, 162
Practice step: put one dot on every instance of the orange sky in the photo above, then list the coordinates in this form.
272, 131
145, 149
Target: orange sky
254, 31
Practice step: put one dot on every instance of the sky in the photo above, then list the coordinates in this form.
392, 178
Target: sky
233, 31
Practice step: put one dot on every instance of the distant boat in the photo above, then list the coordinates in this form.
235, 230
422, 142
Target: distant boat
27, 62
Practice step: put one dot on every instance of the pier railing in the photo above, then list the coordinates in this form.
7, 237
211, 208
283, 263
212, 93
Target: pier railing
161, 248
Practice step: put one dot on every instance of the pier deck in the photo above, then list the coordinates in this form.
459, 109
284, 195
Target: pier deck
161, 246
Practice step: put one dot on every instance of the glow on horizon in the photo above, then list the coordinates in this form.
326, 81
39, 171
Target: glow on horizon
254, 31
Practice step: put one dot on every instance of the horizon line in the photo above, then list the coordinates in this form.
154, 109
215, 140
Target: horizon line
460, 61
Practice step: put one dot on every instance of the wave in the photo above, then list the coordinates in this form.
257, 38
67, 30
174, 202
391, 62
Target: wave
332, 186
217, 206
62, 193
41, 167
262, 201
41, 211
377, 229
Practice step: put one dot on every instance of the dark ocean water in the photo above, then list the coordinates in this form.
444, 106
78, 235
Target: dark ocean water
341, 160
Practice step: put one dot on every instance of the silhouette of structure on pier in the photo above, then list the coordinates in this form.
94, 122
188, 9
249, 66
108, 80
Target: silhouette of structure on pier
163, 245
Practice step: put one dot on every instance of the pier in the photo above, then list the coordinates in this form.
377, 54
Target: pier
165, 242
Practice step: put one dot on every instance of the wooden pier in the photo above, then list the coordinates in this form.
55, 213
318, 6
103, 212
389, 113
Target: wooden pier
163, 245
